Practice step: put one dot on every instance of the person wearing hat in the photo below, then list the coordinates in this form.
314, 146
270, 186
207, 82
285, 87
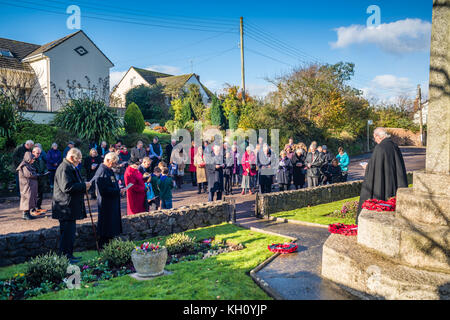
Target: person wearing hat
136, 193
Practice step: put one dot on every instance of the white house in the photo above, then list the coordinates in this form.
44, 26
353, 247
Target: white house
424, 114
48, 75
136, 76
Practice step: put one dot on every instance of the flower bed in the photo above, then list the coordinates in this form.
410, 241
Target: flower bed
112, 263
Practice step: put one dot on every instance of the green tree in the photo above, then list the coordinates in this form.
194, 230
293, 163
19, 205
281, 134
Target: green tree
217, 116
134, 120
233, 121
185, 113
151, 101
89, 119
194, 97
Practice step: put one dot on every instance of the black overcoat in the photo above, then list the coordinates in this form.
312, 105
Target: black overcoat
215, 175
385, 173
316, 163
299, 172
108, 200
68, 193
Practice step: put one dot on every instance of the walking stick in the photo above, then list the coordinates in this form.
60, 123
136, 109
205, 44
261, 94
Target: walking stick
92, 221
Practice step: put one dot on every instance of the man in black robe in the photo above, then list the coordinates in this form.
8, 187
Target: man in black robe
385, 172
108, 199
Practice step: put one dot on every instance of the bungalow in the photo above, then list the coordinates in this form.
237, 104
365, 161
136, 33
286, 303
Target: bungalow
173, 84
43, 77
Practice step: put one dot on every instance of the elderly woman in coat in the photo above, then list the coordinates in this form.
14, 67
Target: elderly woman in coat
284, 172
28, 181
200, 165
108, 200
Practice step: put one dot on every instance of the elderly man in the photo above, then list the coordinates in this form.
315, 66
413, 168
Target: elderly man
18, 157
214, 173
108, 199
385, 172
41, 169
145, 167
155, 152
169, 149
68, 201
138, 152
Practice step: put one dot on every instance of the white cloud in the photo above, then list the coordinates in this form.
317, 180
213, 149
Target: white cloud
388, 88
397, 37
164, 69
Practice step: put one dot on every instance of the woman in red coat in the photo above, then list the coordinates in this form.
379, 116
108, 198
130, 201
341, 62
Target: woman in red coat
192, 167
248, 170
136, 193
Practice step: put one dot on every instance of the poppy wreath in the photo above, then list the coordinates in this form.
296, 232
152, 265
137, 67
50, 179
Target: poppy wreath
380, 205
345, 229
288, 247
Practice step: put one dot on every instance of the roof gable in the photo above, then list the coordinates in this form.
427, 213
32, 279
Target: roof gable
150, 76
49, 46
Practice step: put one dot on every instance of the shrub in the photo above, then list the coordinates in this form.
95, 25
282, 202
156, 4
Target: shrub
151, 101
131, 139
42, 133
89, 119
134, 120
48, 267
6, 170
180, 242
348, 210
9, 119
117, 252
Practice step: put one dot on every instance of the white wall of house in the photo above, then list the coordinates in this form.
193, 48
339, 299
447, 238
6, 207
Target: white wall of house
40, 96
130, 80
194, 80
66, 64
424, 114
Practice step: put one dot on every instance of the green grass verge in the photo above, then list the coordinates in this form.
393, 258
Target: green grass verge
317, 214
224, 276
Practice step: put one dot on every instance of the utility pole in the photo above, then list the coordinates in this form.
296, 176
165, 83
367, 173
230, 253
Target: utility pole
242, 58
419, 106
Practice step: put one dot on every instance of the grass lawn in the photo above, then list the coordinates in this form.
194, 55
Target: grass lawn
317, 214
224, 276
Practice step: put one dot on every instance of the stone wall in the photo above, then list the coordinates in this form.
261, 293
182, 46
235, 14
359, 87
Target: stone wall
19, 247
294, 199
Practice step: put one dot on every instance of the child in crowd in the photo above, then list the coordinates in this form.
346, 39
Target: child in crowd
335, 171
154, 180
165, 185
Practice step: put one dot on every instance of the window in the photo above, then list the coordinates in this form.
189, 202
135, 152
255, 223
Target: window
6, 53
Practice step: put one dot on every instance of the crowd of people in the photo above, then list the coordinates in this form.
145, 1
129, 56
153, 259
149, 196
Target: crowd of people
147, 175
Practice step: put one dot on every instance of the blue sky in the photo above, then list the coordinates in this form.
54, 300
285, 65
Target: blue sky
279, 35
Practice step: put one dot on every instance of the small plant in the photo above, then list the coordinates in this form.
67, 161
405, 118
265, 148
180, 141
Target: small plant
48, 267
117, 253
348, 210
180, 242
147, 247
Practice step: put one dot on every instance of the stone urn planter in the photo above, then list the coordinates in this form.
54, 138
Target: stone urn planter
151, 263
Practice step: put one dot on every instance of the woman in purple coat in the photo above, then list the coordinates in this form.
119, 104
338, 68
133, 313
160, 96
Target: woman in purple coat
53, 161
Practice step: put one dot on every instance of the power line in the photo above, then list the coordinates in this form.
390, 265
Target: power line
200, 28
146, 14
269, 57
213, 57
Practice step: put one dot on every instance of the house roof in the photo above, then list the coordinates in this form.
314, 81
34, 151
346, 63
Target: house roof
23, 50
176, 82
19, 50
150, 76
48, 46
